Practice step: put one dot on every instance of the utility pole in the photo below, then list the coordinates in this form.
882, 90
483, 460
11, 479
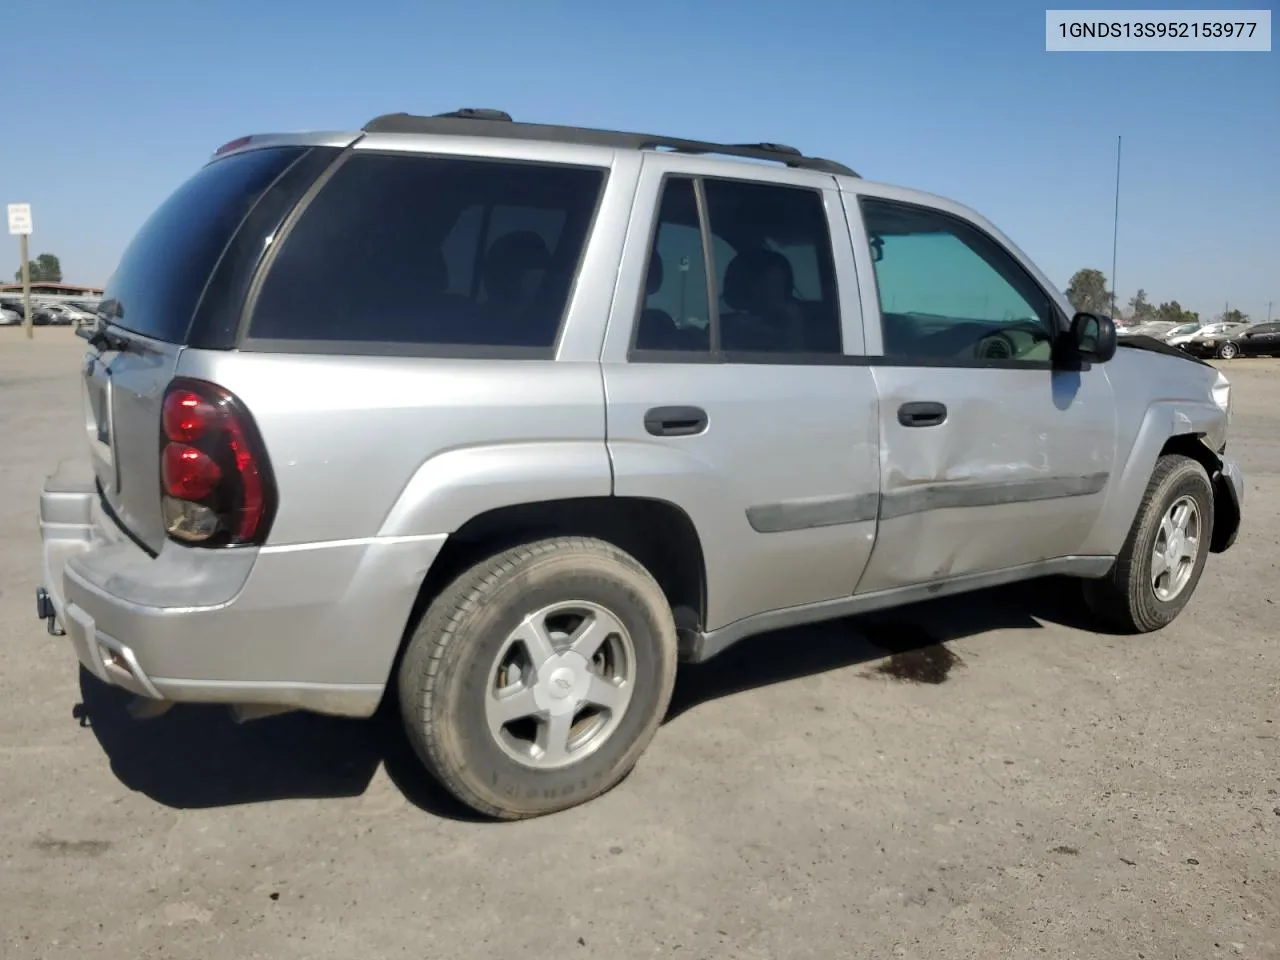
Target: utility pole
1115, 231
1268, 311
20, 224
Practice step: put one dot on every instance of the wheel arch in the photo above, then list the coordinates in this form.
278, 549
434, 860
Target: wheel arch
1168, 427
659, 534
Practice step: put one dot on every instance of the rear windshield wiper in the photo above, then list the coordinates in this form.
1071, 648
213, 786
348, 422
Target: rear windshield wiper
99, 334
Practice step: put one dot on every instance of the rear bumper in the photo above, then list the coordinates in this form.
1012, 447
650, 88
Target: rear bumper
313, 626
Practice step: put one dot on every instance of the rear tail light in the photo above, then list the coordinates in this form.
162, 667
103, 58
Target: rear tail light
214, 476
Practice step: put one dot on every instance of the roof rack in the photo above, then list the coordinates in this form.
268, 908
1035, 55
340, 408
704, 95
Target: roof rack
484, 122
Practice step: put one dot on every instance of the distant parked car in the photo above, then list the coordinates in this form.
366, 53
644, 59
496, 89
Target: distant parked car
9, 318
1238, 340
1181, 333
1153, 328
61, 314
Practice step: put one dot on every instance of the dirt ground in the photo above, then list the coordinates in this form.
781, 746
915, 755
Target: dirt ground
1052, 792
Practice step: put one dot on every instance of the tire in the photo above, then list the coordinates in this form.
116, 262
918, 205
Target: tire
1128, 597
447, 681
1228, 351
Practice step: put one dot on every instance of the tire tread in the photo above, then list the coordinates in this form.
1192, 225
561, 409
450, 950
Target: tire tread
419, 679
1121, 597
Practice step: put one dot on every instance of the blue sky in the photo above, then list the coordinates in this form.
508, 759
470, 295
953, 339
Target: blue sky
960, 99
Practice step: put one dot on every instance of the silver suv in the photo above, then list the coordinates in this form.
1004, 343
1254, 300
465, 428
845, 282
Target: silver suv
504, 420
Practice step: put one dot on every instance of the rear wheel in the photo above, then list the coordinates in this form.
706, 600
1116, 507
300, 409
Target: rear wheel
537, 678
1160, 564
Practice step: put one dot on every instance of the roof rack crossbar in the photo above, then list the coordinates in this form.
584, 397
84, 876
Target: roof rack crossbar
484, 122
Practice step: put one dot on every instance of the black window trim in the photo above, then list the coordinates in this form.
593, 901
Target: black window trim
1061, 322
715, 355
393, 348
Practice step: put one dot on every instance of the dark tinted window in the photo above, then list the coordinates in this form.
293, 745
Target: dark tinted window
949, 292
676, 314
431, 250
163, 271
773, 272
774, 269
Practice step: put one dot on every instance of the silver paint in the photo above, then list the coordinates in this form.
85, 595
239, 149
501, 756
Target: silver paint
809, 499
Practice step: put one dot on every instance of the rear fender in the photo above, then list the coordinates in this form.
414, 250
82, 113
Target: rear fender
451, 487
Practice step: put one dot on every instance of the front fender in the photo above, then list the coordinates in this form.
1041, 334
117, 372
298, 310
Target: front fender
1162, 421
451, 487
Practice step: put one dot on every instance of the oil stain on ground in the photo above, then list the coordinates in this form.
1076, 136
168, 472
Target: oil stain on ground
916, 656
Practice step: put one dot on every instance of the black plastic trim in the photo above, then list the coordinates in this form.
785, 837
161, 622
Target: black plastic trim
922, 413
832, 360
387, 348
677, 421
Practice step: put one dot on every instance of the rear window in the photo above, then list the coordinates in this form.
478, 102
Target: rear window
163, 271
431, 252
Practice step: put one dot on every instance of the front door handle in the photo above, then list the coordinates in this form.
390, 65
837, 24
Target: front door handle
922, 413
675, 421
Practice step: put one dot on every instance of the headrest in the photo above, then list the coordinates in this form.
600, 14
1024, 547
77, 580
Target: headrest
745, 266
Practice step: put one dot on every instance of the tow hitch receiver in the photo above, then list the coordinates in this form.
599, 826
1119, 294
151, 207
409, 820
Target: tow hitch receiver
46, 612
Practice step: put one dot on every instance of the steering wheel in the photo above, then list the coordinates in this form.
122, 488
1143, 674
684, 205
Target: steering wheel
995, 346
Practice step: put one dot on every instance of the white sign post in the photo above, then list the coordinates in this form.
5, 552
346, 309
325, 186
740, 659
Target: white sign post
19, 218
20, 225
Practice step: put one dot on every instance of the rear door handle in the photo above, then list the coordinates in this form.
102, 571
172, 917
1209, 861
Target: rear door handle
922, 413
675, 421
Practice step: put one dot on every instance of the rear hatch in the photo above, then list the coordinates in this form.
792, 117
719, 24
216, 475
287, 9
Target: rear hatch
172, 269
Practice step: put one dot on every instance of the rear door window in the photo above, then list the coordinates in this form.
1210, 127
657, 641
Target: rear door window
439, 253
772, 273
162, 274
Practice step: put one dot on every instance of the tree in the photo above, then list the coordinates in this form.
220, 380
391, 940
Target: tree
1140, 308
1171, 312
1088, 292
1233, 316
45, 268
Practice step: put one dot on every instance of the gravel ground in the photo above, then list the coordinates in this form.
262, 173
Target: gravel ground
1018, 786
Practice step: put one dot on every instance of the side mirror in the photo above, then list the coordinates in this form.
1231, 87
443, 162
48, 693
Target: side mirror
1093, 337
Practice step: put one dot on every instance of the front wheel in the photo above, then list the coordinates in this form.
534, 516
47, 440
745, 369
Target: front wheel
537, 678
1228, 351
1161, 561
